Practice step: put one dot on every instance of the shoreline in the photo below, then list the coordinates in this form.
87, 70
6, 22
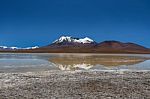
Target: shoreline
107, 54
80, 53
76, 84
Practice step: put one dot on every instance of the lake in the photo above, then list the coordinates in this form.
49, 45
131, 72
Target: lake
11, 62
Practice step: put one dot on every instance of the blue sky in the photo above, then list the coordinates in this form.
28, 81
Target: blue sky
38, 22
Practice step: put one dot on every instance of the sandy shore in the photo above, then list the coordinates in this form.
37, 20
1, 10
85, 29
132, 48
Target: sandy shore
75, 85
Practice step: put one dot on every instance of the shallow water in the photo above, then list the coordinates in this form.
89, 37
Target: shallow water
37, 62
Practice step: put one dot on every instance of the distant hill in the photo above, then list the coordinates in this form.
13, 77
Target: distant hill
120, 47
68, 44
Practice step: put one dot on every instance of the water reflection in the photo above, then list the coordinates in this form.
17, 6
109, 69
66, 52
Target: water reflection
75, 62
37, 62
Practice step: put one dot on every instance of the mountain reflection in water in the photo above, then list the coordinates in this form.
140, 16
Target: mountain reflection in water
71, 62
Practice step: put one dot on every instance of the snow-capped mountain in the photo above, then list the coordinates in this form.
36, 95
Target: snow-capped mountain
15, 48
69, 39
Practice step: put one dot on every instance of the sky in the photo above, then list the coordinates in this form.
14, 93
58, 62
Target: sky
26, 23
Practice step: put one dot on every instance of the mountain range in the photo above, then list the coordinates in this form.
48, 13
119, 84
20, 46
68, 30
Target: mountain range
68, 44
16, 48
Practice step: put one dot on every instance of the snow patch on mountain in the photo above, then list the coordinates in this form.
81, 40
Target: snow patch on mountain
74, 40
3, 47
31, 47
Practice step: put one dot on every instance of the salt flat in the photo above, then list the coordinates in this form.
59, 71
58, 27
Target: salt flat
75, 85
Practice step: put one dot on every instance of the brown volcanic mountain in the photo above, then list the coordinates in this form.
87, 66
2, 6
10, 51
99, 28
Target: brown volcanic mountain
120, 47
